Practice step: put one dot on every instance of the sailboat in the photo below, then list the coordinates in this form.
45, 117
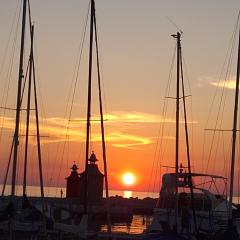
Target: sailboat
20, 218
81, 229
186, 205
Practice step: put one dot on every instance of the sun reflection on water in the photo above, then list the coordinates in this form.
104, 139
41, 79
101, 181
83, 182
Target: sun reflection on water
127, 194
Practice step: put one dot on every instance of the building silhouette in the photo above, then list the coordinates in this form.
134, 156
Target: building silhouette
76, 183
73, 183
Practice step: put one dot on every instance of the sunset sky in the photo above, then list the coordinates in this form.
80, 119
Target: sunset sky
136, 50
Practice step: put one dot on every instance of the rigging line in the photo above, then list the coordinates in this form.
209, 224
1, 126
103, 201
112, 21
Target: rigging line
29, 90
79, 61
157, 159
39, 154
9, 74
222, 99
102, 126
203, 152
7, 169
77, 68
101, 70
41, 102
174, 24
32, 168
24, 84
10, 34
225, 163
20, 157
89, 99
228, 163
68, 150
165, 111
171, 77
43, 111
187, 145
102, 78
225, 96
216, 188
157, 143
229, 50
9, 160
177, 132
76, 80
80, 155
224, 156
38, 89
160, 153
219, 134
29, 16
91, 137
223, 108
12, 56
38, 130
48, 177
9, 79
191, 107
100, 103
215, 133
186, 74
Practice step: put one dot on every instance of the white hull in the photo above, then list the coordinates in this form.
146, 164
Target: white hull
207, 222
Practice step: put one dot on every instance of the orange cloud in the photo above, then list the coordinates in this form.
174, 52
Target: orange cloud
130, 141
59, 129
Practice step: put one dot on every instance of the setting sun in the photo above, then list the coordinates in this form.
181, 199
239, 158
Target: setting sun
128, 178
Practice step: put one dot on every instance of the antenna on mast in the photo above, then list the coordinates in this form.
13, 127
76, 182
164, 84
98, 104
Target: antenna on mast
175, 25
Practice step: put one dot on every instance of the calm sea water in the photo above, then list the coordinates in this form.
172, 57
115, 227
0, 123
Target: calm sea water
138, 224
33, 191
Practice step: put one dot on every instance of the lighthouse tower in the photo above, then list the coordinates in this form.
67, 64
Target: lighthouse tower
95, 182
73, 183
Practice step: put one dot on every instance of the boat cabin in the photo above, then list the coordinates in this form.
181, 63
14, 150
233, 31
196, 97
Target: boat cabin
204, 198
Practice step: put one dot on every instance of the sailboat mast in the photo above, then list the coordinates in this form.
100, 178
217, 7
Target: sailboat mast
101, 113
28, 112
190, 183
102, 126
234, 134
89, 105
178, 37
177, 107
37, 127
17, 119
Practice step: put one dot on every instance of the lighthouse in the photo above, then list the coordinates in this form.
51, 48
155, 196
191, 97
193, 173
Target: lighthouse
73, 183
76, 181
95, 182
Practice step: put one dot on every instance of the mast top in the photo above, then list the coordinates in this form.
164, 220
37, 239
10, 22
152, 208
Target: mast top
178, 35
